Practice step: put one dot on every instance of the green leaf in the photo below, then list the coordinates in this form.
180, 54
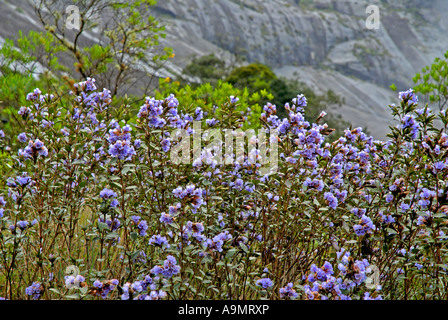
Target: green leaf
112, 235
102, 226
392, 231
244, 247
115, 184
72, 296
55, 290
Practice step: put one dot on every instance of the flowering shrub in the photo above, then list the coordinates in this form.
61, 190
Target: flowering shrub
106, 198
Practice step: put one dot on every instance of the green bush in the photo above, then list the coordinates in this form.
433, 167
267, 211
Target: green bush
433, 82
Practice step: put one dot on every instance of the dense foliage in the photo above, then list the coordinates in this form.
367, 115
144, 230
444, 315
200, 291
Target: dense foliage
433, 82
106, 199
94, 203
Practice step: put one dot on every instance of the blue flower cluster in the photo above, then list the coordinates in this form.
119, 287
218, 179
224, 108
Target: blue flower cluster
191, 195
145, 289
264, 283
288, 291
108, 194
102, 288
168, 269
142, 225
352, 192
35, 290
365, 226
323, 285
120, 142
33, 149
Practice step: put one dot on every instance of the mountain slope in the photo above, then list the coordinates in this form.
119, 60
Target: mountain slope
323, 43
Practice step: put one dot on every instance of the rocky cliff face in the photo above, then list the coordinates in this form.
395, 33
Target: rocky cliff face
318, 33
324, 43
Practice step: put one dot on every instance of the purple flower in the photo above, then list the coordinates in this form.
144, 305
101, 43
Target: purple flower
35, 148
135, 219
408, 97
358, 212
159, 241
439, 166
327, 268
174, 209
389, 198
35, 290
193, 229
46, 124
332, 201
233, 99
121, 150
34, 96
299, 103
239, 183
166, 218
166, 143
368, 297
193, 195
425, 197
22, 137
88, 85
114, 203
24, 180
199, 114
168, 269
112, 224
2, 202
404, 207
316, 184
217, 242
22, 224
65, 132
365, 226
24, 111
386, 219
117, 133
107, 194
408, 121
264, 283
211, 122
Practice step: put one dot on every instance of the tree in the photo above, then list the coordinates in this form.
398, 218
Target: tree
433, 84
208, 68
127, 40
21, 71
254, 77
